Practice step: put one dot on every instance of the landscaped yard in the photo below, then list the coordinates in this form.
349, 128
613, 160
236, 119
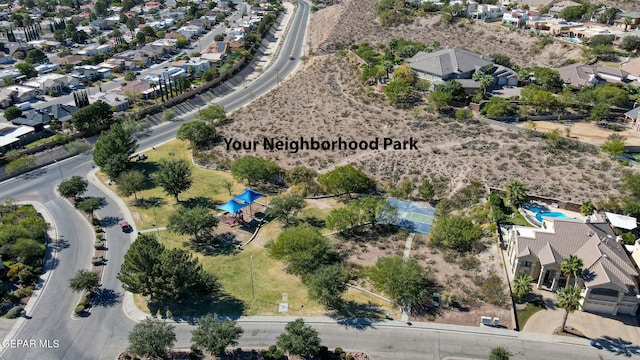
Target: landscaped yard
527, 312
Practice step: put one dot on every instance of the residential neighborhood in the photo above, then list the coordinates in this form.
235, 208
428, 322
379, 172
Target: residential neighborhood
353, 179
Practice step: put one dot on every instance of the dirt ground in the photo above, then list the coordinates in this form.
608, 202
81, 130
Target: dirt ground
588, 131
353, 21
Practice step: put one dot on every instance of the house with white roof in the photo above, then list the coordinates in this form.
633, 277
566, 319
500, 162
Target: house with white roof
190, 31
169, 74
12, 136
515, 17
608, 280
52, 81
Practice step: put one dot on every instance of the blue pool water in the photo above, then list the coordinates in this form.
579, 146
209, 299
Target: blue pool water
557, 215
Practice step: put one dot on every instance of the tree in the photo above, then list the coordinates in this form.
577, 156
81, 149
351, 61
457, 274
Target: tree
95, 114
182, 277
151, 338
498, 107
404, 281
342, 219
174, 176
254, 169
195, 222
426, 190
73, 187
285, 207
455, 232
304, 248
28, 250
215, 335
522, 286
130, 182
12, 112
568, 299
113, 148
20, 165
199, 133
300, 175
328, 283
168, 115
26, 69
345, 179
299, 339
572, 266
630, 44
499, 353
587, 208
85, 280
614, 145
182, 42
627, 21
79, 37
399, 93
485, 80
375, 210
130, 76
405, 73
554, 138
463, 114
516, 193
548, 78
502, 59
90, 205
213, 113
139, 271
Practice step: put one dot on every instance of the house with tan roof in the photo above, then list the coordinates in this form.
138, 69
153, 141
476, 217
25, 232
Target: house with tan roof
632, 67
579, 75
608, 281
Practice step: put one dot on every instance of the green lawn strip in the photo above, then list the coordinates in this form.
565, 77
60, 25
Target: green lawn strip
517, 219
526, 313
39, 142
207, 188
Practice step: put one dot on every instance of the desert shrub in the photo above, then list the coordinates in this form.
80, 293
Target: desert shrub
95, 222
493, 290
25, 291
12, 274
469, 262
79, 310
14, 312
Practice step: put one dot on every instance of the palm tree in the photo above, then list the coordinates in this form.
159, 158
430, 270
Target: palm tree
571, 266
568, 299
627, 21
516, 193
522, 286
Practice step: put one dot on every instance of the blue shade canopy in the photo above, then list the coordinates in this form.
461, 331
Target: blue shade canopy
232, 206
248, 196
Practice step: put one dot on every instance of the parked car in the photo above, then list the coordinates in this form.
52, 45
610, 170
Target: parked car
291, 57
125, 226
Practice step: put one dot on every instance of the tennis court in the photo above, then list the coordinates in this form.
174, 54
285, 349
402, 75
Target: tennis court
412, 216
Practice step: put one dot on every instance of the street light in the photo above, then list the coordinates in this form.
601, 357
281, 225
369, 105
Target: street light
59, 168
253, 290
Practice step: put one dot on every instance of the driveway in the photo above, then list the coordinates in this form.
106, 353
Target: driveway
593, 326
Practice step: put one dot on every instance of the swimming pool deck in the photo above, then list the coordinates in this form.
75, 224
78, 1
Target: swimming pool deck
531, 215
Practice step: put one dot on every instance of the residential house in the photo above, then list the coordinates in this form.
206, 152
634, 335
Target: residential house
191, 31
167, 45
95, 49
70, 59
168, 74
579, 75
118, 102
14, 136
141, 89
16, 94
634, 16
632, 67
12, 47
485, 12
195, 65
216, 52
608, 280
46, 68
88, 73
557, 7
518, 17
39, 119
447, 64
10, 73
49, 82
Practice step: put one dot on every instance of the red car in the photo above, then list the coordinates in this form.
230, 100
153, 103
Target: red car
125, 226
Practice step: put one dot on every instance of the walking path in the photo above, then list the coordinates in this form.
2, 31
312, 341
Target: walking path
405, 256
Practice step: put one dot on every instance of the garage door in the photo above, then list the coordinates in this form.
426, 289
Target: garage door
627, 309
600, 307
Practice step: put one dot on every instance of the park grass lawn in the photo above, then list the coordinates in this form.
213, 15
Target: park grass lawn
524, 314
271, 284
207, 190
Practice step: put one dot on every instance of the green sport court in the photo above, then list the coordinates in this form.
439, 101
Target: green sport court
413, 216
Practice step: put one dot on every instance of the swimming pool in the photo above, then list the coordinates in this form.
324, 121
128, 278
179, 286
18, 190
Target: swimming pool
556, 215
